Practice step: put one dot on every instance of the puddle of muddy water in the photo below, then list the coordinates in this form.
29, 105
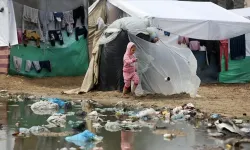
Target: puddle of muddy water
145, 140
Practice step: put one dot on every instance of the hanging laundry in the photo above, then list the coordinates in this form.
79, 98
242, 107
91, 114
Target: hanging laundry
68, 21
194, 45
28, 65
39, 65
58, 17
55, 35
36, 65
202, 42
166, 33
79, 13
31, 20
31, 35
81, 31
17, 63
45, 65
224, 51
46, 18
238, 47
19, 36
183, 40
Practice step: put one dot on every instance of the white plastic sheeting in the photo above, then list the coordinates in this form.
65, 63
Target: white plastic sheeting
159, 61
8, 32
131, 24
245, 12
201, 20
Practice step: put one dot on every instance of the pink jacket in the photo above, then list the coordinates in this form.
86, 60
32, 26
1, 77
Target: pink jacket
129, 60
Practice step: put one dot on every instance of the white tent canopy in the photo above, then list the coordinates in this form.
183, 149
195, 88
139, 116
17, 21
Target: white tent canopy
201, 20
245, 12
8, 33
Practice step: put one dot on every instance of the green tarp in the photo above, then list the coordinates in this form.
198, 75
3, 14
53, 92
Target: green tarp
70, 59
238, 71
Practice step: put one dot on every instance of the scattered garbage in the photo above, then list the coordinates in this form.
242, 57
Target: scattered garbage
35, 130
44, 108
61, 103
215, 116
125, 118
112, 126
57, 120
84, 139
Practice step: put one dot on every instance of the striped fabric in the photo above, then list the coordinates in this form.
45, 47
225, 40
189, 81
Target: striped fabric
4, 60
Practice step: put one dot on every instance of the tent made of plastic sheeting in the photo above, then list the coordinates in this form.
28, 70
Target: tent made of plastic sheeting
157, 63
238, 70
200, 20
245, 12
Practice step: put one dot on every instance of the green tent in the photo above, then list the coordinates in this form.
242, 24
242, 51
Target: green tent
70, 59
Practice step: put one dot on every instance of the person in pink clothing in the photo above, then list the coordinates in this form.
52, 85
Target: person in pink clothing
129, 69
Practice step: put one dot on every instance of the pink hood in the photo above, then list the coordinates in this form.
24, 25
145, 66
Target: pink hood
128, 64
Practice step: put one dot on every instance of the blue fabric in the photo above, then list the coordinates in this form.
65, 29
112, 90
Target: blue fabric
82, 137
58, 101
166, 33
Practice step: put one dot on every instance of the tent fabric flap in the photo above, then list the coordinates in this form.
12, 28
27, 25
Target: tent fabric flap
200, 20
158, 62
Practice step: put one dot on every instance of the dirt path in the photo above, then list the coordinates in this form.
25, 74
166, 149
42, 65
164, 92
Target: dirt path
231, 100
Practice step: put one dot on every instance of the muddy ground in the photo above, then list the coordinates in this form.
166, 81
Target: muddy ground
229, 100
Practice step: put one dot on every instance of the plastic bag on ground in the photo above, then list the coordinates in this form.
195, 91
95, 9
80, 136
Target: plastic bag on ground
112, 126
35, 130
58, 120
146, 112
84, 139
44, 107
57, 101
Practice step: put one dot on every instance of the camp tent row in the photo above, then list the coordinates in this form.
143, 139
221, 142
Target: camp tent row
202, 20
69, 59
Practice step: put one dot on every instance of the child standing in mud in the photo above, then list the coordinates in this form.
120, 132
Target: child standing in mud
129, 69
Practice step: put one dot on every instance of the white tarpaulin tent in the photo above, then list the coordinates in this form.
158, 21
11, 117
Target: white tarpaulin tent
8, 33
201, 20
245, 12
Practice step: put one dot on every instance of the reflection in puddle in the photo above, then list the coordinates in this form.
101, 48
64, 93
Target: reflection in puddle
187, 137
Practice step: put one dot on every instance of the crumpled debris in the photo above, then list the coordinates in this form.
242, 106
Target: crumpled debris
131, 126
229, 125
57, 120
169, 136
85, 139
112, 126
97, 125
103, 110
44, 108
35, 130
184, 112
146, 112
70, 113
94, 115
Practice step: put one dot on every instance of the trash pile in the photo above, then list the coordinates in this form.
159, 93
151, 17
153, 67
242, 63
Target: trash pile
58, 119
125, 118
129, 119
235, 131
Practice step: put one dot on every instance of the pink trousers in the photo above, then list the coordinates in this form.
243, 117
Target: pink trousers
128, 77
